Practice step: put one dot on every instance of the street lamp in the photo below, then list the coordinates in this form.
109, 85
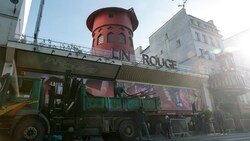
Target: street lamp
14, 2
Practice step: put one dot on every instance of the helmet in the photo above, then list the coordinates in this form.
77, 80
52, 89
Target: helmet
166, 117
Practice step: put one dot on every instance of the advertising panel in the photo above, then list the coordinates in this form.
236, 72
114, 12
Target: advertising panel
100, 87
172, 98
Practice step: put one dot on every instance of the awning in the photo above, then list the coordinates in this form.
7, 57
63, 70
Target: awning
153, 76
46, 63
102, 68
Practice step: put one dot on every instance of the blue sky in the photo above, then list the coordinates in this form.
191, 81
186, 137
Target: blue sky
65, 20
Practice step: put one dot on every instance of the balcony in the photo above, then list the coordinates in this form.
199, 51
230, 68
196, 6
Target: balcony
234, 82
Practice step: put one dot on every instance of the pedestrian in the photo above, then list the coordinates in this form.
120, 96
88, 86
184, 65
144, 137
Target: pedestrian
219, 117
166, 127
142, 124
204, 123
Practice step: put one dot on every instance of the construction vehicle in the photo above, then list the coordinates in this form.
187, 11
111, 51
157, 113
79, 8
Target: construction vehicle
28, 114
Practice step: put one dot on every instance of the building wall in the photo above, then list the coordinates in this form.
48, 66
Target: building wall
173, 40
177, 40
112, 28
9, 19
238, 45
23, 17
208, 44
13, 21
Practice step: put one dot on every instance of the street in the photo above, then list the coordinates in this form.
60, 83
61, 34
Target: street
212, 137
218, 137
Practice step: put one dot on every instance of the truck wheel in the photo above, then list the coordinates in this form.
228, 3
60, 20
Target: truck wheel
85, 138
67, 137
110, 137
128, 130
106, 136
30, 129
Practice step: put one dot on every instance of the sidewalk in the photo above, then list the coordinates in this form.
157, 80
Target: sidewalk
190, 137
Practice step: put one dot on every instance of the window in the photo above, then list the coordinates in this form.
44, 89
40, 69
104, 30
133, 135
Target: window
100, 39
218, 43
212, 41
110, 37
178, 43
198, 23
166, 36
3, 81
122, 28
198, 37
129, 32
204, 38
58, 88
192, 21
110, 27
202, 53
122, 38
111, 15
25, 88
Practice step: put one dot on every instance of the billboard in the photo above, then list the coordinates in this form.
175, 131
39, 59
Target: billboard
100, 87
172, 98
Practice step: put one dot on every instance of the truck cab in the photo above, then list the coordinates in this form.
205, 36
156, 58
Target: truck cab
20, 101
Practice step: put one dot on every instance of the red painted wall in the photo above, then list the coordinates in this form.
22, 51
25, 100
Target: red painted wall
112, 20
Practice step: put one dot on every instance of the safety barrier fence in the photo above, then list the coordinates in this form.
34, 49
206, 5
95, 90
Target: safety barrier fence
231, 125
179, 127
245, 123
228, 124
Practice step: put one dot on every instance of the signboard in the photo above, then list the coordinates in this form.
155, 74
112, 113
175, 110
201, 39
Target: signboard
148, 60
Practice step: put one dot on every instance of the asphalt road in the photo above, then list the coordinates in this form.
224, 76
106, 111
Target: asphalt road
211, 137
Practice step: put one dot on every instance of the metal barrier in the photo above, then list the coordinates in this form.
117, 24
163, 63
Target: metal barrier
229, 125
245, 123
179, 127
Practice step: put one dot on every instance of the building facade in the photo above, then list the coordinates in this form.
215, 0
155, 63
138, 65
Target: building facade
237, 46
192, 43
13, 17
189, 41
198, 45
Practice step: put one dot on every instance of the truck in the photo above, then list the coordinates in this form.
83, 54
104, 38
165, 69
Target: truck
27, 113
180, 104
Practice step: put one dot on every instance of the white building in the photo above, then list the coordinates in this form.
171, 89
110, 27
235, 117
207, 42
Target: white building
193, 43
238, 46
189, 41
13, 17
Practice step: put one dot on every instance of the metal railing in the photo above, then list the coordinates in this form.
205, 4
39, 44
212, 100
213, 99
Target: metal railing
179, 127
48, 43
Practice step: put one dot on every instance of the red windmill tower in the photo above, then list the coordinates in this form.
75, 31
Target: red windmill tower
112, 31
